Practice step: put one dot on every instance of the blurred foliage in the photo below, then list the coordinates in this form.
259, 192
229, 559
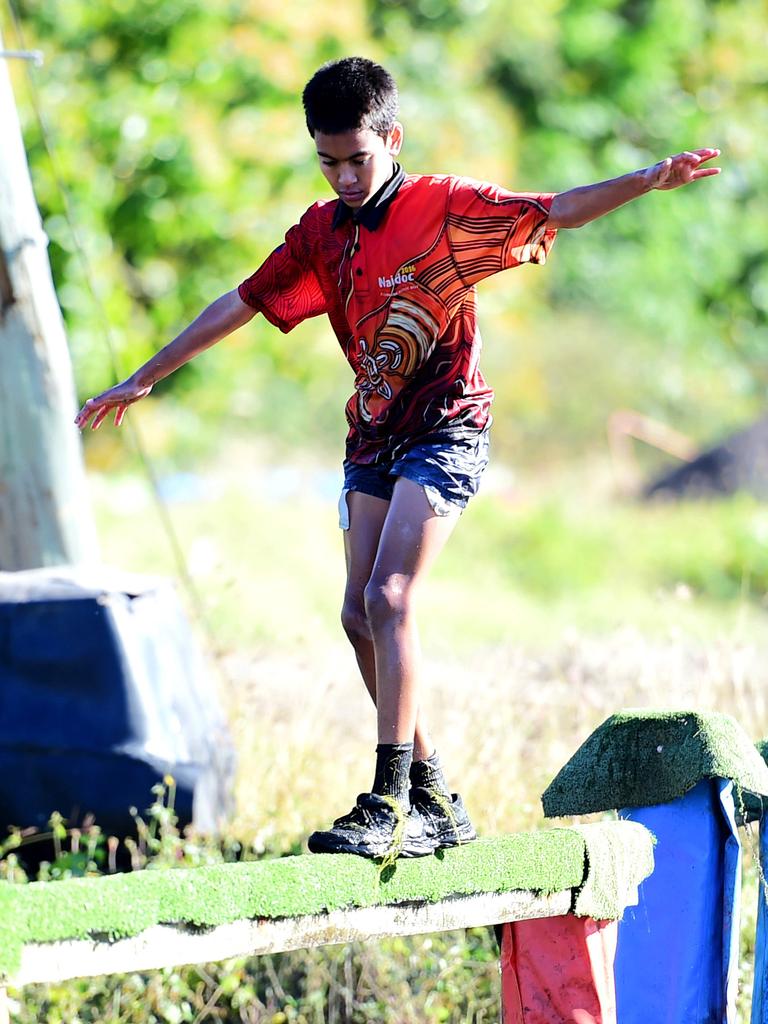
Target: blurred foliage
451, 977
178, 134
545, 560
714, 551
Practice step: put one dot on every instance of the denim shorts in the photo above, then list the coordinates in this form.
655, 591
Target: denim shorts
449, 472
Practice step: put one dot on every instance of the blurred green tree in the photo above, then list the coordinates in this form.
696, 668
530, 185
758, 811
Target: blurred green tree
598, 87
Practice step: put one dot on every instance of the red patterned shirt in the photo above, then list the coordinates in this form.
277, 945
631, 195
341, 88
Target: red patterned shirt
400, 296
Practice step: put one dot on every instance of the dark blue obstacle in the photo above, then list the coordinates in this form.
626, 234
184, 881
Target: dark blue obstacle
102, 694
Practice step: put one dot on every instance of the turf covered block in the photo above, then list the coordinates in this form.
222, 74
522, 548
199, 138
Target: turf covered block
638, 758
752, 806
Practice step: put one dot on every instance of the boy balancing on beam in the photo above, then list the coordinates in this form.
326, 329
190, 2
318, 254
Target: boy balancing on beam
393, 262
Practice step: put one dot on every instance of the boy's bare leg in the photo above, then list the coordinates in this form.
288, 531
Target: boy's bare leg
411, 538
405, 813
361, 542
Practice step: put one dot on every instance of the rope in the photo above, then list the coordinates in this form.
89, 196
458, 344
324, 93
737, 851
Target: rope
195, 598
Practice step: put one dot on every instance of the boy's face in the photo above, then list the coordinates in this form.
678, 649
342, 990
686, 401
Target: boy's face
357, 163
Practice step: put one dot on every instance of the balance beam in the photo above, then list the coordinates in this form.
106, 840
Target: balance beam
52, 931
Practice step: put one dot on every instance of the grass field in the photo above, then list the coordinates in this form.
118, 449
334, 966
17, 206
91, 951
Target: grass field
554, 605
550, 609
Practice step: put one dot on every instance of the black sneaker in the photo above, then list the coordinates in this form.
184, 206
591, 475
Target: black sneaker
377, 826
445, 818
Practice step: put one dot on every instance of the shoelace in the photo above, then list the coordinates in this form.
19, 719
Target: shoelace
398, 834
358, 817
446, 806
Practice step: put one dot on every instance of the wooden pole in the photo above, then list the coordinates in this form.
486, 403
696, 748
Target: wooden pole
45, 516
175, 945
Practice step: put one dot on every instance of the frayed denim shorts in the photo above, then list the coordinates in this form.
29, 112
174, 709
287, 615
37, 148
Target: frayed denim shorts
449, 472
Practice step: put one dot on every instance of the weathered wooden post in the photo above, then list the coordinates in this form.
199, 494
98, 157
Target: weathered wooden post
44, 514
45, 517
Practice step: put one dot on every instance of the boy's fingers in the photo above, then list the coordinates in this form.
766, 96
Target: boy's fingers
697, 156
101, 405
684, 168
686, 161
91, 406
99, 417
84, 415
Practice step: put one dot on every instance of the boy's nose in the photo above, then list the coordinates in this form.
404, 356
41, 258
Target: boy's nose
347, 176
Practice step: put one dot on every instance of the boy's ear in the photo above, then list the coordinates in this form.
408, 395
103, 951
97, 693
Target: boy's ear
395, 139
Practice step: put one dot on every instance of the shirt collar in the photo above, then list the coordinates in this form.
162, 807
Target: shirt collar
371, 213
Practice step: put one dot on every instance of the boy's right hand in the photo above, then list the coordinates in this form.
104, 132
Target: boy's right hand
118, 398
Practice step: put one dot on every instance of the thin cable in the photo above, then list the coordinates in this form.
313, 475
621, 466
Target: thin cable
134, 434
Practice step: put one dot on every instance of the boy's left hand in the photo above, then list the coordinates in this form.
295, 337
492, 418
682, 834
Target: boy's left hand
681, 169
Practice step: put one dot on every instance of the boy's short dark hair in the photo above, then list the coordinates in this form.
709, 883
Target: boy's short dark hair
351, 93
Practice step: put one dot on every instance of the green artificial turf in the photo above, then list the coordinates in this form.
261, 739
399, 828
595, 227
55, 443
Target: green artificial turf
752, 807
617, 860
120, 905
640, 758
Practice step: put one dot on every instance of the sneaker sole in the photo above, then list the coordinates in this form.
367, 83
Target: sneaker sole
317, 843
446, 842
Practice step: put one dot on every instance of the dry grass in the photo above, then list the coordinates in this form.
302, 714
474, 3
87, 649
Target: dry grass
505, 718
514, 677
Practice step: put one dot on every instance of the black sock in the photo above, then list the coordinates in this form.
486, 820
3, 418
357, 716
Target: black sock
428, 774
393, 763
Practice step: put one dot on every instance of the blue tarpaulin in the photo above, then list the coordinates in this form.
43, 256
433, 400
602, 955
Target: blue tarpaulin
103, 693
677, 954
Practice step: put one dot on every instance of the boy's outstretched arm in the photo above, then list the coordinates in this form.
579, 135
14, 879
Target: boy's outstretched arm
216, 321
580, 205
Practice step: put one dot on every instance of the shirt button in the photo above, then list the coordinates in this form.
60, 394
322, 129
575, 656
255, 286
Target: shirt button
359, 271
356, 247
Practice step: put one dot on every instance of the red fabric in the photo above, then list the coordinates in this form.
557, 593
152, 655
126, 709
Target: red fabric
558, 970
401, 300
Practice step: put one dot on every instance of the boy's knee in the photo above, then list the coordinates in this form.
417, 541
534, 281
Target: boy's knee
353, 619
386, 601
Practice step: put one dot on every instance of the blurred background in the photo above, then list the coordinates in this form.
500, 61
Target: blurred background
179, 136
169, 155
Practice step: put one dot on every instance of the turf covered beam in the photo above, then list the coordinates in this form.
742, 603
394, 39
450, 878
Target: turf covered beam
598, 866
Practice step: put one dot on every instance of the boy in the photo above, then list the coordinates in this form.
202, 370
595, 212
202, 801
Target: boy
393, 263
